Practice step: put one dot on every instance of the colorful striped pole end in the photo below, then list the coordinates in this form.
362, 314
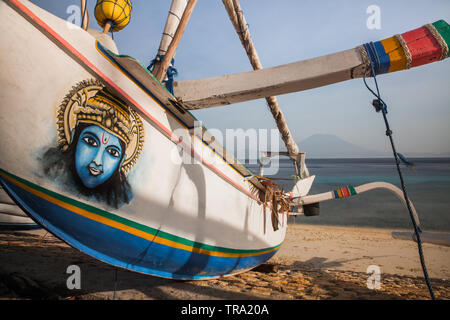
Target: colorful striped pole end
414, 48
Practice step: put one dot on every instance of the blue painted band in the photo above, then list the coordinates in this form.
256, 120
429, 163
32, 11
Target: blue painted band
379, 60
383, 57
336, 195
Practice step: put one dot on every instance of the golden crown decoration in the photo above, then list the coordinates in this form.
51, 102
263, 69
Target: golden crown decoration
91, 102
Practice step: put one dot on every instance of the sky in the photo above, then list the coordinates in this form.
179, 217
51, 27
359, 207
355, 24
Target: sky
286, 31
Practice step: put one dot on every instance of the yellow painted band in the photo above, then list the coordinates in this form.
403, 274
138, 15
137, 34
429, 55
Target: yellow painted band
396, 54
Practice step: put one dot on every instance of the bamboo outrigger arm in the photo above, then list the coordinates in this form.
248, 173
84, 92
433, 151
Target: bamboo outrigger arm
304, 201
350, 191
161, 68
414, 48
173, 20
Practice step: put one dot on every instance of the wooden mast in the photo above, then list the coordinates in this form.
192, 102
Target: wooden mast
237, 18
85, 15
160, 69
173, 20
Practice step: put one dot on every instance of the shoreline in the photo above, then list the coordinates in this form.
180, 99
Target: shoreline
314, 262
356, 248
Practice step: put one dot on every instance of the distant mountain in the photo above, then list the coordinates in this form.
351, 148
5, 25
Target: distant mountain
331, 146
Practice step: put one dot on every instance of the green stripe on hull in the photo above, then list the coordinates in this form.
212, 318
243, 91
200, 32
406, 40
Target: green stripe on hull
138, 226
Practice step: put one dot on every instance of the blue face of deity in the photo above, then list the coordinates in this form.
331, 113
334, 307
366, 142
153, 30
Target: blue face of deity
98, 156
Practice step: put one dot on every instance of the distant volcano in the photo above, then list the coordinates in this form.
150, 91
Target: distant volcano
331, 146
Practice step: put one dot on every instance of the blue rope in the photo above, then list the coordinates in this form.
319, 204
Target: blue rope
380, 105
158, 58
378, 57
373, 56
171, 71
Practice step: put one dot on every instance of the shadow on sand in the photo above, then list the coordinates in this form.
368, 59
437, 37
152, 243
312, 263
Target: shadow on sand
34, 266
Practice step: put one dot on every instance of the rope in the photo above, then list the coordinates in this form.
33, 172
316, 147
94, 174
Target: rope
174, 14
380, 105
439, 39
171, 73
406, 50
84, 14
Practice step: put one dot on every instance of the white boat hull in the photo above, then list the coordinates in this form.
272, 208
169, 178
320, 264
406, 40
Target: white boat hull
187, 221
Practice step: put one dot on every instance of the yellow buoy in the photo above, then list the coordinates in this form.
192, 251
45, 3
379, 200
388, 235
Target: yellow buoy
113, 15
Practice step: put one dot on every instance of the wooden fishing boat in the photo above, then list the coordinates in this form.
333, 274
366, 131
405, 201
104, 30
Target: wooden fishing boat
103, 156
166, 220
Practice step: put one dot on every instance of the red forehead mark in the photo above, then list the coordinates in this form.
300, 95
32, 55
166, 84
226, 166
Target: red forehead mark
105, 140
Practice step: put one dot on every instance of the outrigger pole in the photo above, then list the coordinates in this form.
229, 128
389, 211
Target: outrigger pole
85, 15
240, 25
160, 68
173, 20
351, 191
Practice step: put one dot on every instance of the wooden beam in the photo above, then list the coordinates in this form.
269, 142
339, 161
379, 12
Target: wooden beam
388, 55
292, 77
160, 69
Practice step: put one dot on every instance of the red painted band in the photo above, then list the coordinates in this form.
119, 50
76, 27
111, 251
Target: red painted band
423, 46
345, 192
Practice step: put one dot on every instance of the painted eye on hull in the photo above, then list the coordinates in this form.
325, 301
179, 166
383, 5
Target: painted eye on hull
90, 141
113, 152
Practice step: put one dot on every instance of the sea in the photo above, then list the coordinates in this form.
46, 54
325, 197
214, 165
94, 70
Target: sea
427, 184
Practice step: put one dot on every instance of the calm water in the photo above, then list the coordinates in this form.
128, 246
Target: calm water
427, 184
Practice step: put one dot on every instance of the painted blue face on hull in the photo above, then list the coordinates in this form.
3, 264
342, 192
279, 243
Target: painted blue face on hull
98, 156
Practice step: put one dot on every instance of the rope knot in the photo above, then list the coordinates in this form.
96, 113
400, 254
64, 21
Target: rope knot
170, 74
379, 105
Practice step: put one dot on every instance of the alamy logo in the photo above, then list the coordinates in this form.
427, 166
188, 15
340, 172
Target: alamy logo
245, 145
74, 280
374, 280
74, 19
374, 20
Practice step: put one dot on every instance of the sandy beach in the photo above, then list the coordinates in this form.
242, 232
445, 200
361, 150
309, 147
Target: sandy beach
314, 262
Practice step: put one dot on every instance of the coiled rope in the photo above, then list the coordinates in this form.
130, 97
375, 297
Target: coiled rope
380, 105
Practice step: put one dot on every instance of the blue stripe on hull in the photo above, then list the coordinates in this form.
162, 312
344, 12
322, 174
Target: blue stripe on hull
122, 249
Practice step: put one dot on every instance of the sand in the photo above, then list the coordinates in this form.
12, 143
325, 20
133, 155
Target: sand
314, 262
